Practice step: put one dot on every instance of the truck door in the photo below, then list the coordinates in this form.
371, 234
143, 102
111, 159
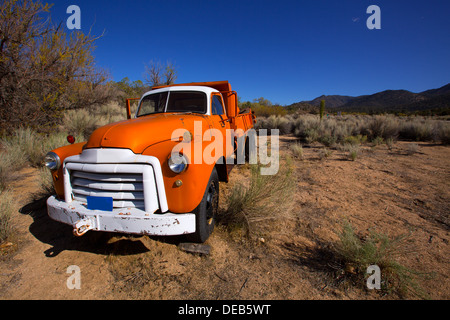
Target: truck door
221, 122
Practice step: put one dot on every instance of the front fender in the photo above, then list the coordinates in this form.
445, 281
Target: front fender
184, 198
63, 153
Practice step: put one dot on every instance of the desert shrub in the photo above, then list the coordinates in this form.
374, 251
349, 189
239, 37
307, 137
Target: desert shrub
26, 146
384, 127
355, 140
329, 131
111, 112
328, 140
377, 141
324, 153
311, 135
46, 186
412, 148
6, 211
267, 111
353, 151
441, 132
284, 124
22, 147
355, 254
416, 130
297, 150
80, 123
389, 143
307, 128
263, 203
357, 129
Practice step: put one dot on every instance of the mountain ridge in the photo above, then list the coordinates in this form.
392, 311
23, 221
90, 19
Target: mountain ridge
387, 100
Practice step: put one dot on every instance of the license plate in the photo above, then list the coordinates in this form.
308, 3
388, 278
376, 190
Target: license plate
100, 203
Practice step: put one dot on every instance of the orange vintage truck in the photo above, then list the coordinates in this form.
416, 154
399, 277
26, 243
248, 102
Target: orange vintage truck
158, 172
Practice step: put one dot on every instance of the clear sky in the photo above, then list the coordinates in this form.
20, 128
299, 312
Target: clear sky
284, 51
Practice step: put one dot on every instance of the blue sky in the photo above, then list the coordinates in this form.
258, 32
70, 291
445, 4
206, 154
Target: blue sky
284, 51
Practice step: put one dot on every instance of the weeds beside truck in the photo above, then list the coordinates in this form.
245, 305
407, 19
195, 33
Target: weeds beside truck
158, 172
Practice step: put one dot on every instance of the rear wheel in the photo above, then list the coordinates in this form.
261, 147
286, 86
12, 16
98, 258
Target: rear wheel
205, 213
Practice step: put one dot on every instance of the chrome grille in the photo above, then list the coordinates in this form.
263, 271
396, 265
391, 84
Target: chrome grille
126, 189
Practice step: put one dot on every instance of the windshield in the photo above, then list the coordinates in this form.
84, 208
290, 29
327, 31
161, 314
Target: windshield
178, 101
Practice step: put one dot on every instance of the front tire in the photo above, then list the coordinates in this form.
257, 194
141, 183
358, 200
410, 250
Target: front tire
206, 212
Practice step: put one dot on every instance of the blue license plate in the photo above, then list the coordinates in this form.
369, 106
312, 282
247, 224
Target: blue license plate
100, 203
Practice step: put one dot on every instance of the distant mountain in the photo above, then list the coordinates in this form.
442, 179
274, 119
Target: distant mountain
385, 101
335, 101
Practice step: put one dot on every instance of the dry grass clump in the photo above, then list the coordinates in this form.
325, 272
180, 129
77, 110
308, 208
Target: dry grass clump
353, 152
355, 254
81, 123
416, 129
297, 150
6, 210
386, 127
262, 204
26, 146
441, 132
412, 148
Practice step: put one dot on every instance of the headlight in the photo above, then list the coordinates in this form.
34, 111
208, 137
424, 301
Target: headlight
177, 163
52, 161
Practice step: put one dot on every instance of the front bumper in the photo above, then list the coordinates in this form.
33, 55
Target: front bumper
132, 220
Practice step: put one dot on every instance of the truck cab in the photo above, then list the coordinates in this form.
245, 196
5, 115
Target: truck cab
156, 173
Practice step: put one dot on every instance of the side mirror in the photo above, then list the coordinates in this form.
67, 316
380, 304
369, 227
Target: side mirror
232, 104
128, 107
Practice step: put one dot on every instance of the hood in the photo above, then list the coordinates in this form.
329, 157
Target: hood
138, 134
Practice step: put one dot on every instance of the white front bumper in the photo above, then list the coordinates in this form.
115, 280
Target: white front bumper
133, 221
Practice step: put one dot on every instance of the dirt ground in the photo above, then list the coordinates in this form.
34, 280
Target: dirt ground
389, 191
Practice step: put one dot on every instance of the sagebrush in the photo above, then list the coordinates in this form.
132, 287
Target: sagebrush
265, 200
356, 253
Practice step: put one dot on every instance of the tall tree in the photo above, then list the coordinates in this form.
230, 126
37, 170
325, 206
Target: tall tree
43, 71
158, 74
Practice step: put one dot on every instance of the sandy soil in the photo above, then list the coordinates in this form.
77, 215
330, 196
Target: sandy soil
389, 191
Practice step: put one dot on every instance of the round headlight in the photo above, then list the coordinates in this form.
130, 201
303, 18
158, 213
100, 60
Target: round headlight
177, 163
52, 161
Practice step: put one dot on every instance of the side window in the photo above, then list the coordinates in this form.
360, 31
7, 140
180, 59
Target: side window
217, 107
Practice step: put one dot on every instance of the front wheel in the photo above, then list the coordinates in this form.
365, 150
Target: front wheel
206, 212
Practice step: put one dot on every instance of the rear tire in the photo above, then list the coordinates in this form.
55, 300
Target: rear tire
206, 212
